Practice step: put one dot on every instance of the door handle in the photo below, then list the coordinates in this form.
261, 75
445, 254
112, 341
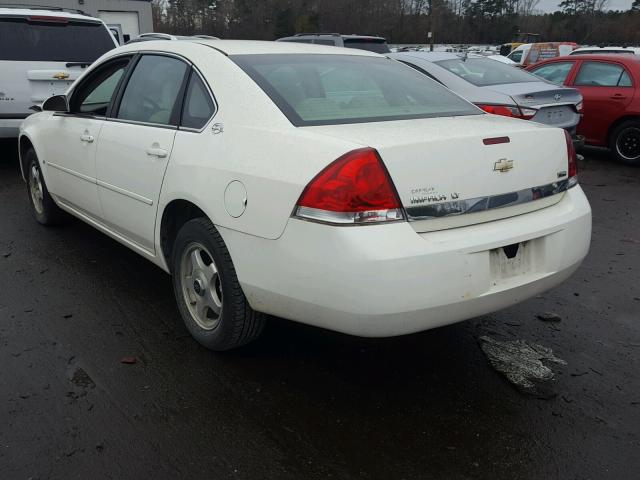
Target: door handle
156, 151
618, 96
85, 137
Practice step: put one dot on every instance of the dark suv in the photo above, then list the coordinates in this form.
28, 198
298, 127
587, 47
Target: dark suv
362, 42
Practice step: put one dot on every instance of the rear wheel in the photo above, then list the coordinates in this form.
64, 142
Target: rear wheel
209, 296
625, 142
44, 208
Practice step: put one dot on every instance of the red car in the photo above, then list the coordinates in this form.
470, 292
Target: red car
610, 86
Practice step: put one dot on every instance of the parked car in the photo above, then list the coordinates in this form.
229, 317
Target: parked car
42, 51
329, 186
361, 42
610, 87
530, 53
605, 50
499, 88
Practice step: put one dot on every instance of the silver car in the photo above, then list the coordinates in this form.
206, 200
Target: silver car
499, 88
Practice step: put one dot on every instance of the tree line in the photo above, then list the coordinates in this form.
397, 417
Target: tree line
401, 21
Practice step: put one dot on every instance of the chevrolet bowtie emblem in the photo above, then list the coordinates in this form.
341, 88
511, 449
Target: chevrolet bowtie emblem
61, 76
503, 165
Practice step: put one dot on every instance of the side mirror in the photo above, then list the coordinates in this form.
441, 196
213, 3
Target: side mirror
57, 103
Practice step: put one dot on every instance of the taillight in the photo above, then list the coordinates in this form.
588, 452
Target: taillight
572, 167
504, 110
354, 189
527, 113
49, 19
509, 111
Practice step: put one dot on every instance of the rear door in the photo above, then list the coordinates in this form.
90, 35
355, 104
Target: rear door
607, 89
136, 143
41, 56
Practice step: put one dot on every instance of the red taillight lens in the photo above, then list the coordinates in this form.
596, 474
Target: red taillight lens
572, 167
356, 188
504, 110
509, 111
44, 18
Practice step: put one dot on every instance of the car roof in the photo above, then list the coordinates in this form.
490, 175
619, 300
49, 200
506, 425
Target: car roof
428, 56
353, 35
631, 59
254, 47
46, 12
611, 48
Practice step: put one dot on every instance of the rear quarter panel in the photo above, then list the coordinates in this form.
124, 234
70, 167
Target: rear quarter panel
258, 146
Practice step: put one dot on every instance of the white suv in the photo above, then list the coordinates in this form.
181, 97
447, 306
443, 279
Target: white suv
41, 53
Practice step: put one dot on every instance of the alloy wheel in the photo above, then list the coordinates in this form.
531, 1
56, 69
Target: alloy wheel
628, 143
201, 286
36, 189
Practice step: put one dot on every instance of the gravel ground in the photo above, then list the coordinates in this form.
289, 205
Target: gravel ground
303, 403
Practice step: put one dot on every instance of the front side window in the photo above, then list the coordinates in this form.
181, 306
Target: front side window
94, 95
198, 106
337, 89
53, 39
600, 74
556, 72
483, 72
151, 95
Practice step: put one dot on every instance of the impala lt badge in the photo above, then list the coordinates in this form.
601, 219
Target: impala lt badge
503, 165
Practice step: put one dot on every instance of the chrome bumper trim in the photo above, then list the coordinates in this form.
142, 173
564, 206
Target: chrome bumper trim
482, 204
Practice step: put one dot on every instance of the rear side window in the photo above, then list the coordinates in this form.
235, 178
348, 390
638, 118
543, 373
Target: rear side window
24, 39
554, 72
338, 89
600, 74
198, 106
151, 95
483, 71
378, 45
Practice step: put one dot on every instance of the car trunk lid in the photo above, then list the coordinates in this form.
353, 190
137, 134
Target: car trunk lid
555, 105
451, 172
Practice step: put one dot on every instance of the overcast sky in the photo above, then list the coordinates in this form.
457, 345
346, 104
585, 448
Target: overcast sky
552, 5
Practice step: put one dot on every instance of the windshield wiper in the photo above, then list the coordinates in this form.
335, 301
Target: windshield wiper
78, 64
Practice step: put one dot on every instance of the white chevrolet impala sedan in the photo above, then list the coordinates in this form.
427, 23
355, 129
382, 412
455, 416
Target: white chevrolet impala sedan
332, 187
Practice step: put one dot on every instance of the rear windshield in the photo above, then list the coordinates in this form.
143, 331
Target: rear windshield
22, 39
321, 89
484, 71
378, 45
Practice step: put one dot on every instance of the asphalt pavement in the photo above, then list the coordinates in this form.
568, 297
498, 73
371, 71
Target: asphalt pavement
301, 402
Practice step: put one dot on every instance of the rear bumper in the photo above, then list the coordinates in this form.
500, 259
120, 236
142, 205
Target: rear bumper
10, 127
388, 280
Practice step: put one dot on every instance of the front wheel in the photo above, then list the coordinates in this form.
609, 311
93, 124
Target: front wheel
625, 142
43, 207
209, 297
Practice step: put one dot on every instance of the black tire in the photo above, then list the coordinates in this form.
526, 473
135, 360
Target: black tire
625, 142
237, 323
43, 207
